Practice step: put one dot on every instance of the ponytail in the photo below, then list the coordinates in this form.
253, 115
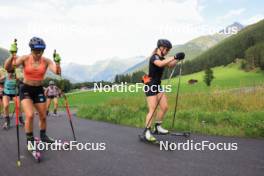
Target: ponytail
154, 52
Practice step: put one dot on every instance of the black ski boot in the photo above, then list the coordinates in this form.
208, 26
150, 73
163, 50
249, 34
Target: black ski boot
21, 121
30, 141
55, 112
45, 138
6, 125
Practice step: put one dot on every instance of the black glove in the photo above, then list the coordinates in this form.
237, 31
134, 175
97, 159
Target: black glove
179, 56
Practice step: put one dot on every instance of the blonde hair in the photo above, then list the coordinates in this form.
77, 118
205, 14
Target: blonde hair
153, 52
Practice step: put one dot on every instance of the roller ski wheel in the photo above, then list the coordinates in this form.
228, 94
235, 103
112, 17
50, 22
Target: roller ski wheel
36, 155
142, 138
184, 134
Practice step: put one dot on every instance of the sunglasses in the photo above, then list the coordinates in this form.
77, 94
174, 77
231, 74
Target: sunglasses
38, 51
167, 49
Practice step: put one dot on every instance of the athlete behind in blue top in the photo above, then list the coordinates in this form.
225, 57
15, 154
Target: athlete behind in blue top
1, 95
10, 92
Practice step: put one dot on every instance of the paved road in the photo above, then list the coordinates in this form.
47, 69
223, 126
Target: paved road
125, 155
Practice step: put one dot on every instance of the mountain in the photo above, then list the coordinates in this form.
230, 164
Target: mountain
198, 45
191, 49
231, 48
3, 55
232, 29
101, 70
139, 66
194, 47
107, 69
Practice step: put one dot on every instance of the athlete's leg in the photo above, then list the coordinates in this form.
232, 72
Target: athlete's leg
55, 101
6, 111
162, 111
6, 100
1, 105
163, 106
152, 103
41, 108
28, 109
48, 105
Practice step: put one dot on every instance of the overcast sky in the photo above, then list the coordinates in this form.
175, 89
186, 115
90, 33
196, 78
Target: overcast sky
87, 31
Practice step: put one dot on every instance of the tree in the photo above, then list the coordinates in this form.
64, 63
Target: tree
117, 79
137, 76
64, 84
255, 56
209, 76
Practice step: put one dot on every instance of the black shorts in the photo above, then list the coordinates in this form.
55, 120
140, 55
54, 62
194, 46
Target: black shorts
152, 89
11, 96
35, 93
52, 97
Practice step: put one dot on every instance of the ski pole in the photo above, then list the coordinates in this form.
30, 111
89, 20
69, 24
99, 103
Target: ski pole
17, 130
14, 45
57, 60
156, 107
69, 115
177, 97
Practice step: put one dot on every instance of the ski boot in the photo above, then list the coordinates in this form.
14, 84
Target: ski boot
6, 125
46, 139
148, 135
21, 121
33, 151
158, 129
55, 113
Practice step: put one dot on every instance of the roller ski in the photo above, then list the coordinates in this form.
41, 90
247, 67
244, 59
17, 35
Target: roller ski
142, 138
184, 134
159, 130
44, 139
6, 126
49, 140
33, 151
148, 138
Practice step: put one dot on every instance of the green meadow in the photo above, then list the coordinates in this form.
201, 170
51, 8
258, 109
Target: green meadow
232, 106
